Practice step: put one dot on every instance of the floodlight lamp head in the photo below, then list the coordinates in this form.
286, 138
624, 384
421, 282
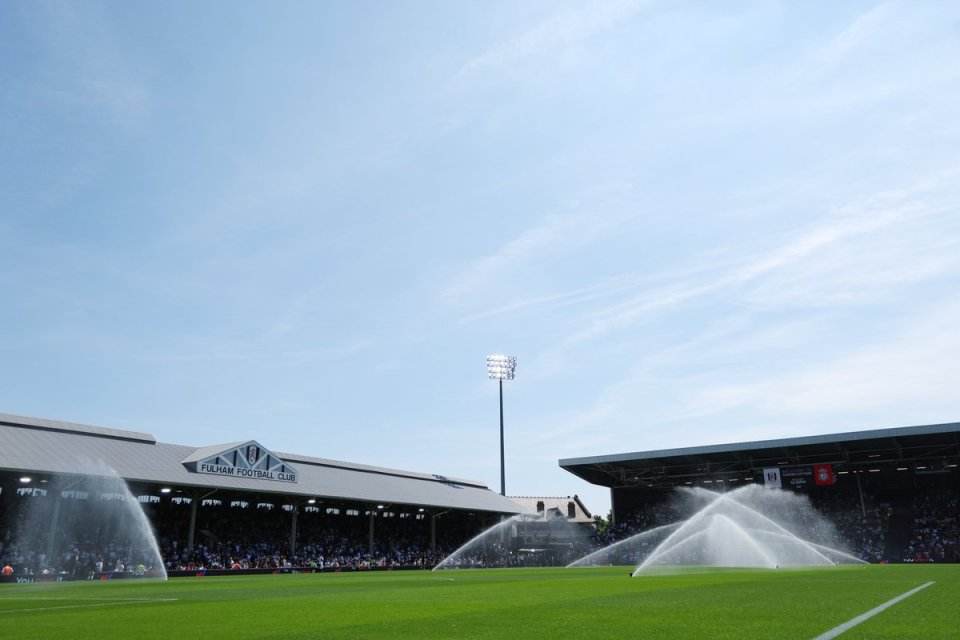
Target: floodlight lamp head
501, 367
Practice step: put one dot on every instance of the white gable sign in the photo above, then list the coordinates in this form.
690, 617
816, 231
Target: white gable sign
249, 460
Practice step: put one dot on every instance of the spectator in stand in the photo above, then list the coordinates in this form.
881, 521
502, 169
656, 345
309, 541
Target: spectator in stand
936, 530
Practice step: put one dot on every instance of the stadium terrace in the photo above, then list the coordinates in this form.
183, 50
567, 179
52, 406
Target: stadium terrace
891, 493
202, 498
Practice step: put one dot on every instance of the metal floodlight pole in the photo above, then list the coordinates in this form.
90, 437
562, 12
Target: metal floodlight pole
501, 368
503, 479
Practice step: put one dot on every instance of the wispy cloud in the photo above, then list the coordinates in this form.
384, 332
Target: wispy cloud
600, 214
885, 212
915, 368
770, 361
558, 31
680, 397
889, 57
560, 300
859, 33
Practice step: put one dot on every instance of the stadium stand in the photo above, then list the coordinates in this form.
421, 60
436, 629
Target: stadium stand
218, 504
893, 496
891, 493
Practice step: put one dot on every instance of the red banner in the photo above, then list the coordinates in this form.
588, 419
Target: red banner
823, 474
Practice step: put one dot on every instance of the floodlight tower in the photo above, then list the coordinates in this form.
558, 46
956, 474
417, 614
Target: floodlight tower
501, 368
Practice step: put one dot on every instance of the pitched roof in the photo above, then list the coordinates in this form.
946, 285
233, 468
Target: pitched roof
53, 447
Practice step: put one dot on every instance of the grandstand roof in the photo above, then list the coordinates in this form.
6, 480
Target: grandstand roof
930, 448
40, 446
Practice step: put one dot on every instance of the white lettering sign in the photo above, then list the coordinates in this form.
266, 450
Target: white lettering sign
248, 461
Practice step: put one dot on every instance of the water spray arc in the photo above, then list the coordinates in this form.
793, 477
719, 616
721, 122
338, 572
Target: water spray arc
749, 527
96, 509
526, 539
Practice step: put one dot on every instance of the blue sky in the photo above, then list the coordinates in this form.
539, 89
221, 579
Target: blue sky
308, 224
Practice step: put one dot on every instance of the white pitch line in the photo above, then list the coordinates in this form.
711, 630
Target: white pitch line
88, 605
84, 599
850, 624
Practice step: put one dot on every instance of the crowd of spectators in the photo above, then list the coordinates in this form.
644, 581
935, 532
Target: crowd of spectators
248, 538
82, 559
337, 542
859, 528
935, 531
257, 538
861, 523
78, 547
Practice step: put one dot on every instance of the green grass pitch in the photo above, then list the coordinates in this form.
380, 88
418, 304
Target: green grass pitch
493, 603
